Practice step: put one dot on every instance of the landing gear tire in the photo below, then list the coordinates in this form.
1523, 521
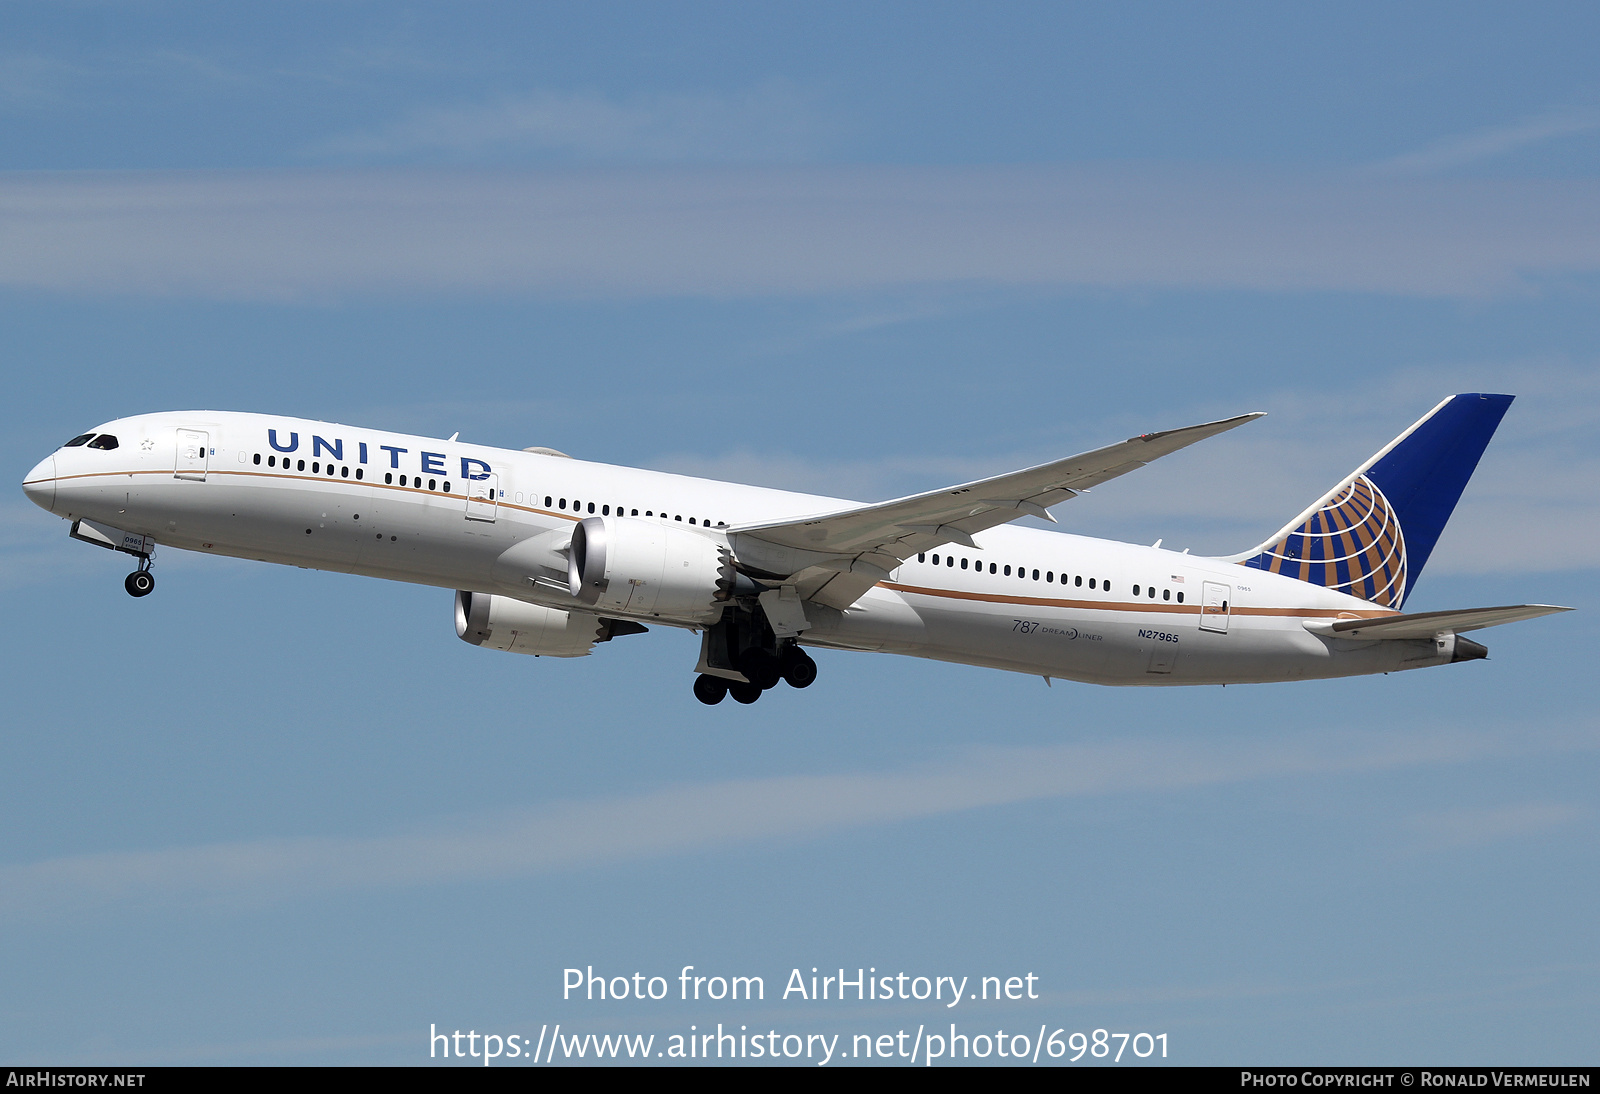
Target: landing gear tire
761, 668
709, 689
797, 667
139, 583
744, 693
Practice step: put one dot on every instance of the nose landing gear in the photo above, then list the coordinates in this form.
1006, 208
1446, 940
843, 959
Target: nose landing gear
141, 582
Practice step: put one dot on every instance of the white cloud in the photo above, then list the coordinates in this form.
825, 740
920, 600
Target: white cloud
683, 819
749, 232
773, 122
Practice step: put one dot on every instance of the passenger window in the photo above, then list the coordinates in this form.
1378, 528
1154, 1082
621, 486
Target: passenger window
678, 518
591, 504
605, 510
1091, 583
1078, 580
992, 567
257, 460
316, 468
949, 560
388, 478
547, 501
1180, 598
359, 473
1049, 575
1036, 575
1008, 571
922, 557
79, 440
272, 461
344, 472
1166, 594
691, 520
433, 484
1152, 592
635, 513
105, 441
1105, 586
963, 564
447, 486
563, 503
1136, 590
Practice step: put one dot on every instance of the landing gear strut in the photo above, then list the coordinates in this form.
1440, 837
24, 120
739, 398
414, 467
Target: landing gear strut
141, 582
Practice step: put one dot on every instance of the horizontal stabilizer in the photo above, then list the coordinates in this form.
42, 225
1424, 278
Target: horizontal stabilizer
1429, 624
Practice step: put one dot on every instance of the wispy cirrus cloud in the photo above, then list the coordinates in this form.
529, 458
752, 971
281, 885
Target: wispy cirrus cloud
762, 232
1473, 827
683, 819
1488, 144
1529, 508
774, 122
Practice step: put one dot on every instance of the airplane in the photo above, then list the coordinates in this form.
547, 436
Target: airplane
550, 555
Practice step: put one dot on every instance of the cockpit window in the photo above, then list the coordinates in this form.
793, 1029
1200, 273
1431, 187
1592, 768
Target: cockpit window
105, 441
76, 441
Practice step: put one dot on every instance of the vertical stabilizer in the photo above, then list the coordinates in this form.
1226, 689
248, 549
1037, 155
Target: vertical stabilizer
1371, 535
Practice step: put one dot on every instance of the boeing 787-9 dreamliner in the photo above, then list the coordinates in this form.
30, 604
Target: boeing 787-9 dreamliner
550, 555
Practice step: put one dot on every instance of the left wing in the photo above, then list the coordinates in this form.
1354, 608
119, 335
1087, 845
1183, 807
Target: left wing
833, 558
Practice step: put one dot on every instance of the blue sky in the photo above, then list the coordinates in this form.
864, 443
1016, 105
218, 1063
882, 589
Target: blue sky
271, 815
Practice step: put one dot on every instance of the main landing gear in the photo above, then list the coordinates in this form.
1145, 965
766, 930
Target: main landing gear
764, 669
141, 582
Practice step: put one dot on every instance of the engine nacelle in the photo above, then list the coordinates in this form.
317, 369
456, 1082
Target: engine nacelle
505, 623
642, 567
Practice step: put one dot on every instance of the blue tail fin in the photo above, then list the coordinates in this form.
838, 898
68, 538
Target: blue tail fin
1371, 535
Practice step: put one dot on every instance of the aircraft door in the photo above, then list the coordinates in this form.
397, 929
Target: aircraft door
193, 449
483, 498
1214, 606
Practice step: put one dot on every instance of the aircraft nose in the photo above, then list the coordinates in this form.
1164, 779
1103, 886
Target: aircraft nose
40, 485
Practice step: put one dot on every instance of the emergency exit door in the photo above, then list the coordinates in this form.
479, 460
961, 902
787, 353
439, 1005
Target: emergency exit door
1214, 606
193, 450
483, 498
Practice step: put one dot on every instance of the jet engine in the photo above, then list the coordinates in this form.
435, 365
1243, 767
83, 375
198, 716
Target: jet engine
505, 623
642, 567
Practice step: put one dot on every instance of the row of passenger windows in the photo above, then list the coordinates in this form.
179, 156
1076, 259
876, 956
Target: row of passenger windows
603, 510
415, 481
318, 468
1022, 572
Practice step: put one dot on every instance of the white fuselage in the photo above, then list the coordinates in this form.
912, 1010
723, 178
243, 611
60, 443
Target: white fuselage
432, 512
